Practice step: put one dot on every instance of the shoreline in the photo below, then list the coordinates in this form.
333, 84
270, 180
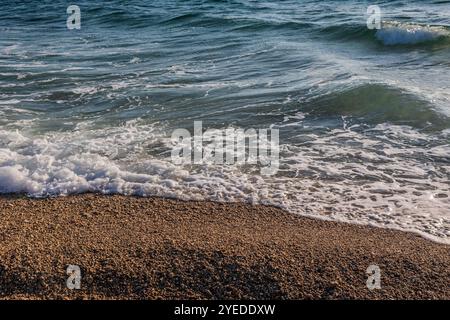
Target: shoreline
153, 248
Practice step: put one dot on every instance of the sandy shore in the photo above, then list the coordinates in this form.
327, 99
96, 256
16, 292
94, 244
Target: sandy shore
145, 248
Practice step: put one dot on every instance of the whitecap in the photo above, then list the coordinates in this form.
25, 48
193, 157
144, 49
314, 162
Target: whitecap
404, 34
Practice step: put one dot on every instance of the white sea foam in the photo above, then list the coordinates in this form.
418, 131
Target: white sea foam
403, 34
9, 102
381, 185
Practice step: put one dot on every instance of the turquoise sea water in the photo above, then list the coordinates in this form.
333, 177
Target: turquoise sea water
363, 115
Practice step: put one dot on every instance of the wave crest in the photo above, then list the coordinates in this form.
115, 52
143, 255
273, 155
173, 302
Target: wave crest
394, 33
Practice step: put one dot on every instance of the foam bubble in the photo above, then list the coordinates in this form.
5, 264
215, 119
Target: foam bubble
16, 179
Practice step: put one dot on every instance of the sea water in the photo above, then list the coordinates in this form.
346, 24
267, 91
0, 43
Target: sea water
363, 115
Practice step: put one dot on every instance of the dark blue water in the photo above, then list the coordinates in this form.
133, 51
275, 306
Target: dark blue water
364, 115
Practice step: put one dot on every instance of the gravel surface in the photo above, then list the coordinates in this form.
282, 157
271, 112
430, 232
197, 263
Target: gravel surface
152, 248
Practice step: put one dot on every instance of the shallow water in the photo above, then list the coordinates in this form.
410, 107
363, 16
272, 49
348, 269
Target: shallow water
364, 115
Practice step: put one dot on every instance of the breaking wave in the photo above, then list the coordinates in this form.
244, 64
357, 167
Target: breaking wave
394, 33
